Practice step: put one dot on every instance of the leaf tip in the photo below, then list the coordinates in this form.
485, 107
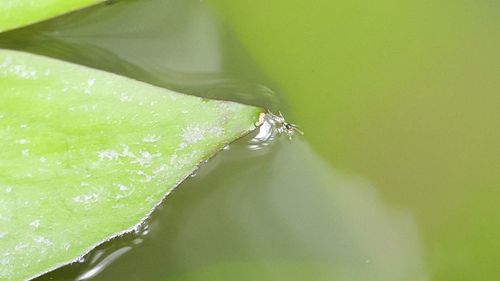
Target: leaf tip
260, 121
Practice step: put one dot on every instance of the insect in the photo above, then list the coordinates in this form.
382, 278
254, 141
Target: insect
282, 126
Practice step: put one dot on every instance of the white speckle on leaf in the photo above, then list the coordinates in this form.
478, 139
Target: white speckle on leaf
42, 240
25, 152
23, 141
145, 159
126, 152
122, 187
35, 224
90, 84
216, 131
151, 138
108, 155
173, 159
81, 108
21, 246
4, 261
160, 170
8, 189
23, 126
121, 196
125, 98
2, 234
182, 145
86, 198
6, 61
192, 134
127, 191
148, 178
18, 70
4, 218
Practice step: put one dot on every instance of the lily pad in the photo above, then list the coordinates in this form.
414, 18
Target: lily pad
17, 13
86, 155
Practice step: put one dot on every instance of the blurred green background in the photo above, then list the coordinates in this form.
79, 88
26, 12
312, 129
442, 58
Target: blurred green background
396, 178
404, 93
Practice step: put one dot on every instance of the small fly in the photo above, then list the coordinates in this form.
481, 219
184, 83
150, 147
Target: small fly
282, 126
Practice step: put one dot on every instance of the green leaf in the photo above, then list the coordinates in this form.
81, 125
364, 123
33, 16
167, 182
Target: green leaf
86, 155
17, 13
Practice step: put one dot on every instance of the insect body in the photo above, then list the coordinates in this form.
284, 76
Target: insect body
282, 126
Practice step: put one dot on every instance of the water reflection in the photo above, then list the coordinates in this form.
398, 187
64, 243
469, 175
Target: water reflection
97, 268
279, 216
176, 44
287, 207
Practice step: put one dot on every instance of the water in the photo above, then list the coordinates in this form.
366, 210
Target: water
394, 179
404, 94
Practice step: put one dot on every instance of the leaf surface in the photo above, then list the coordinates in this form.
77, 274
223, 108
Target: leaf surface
86, 155
18, 13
